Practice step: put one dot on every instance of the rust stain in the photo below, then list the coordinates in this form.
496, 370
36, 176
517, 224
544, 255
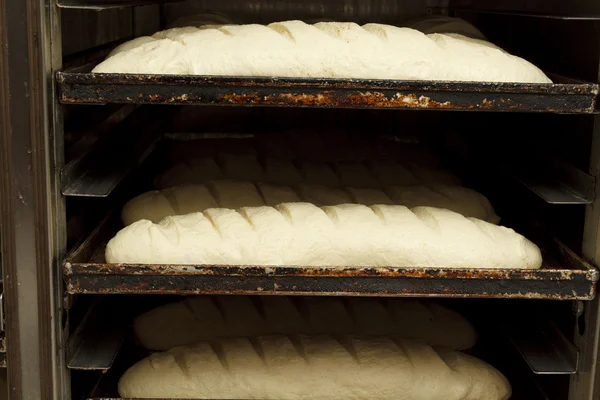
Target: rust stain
330, 99
326, 98
279, 280
295, 271
399, 100
321, 99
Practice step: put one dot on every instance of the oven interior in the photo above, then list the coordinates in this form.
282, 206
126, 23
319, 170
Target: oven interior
507, 156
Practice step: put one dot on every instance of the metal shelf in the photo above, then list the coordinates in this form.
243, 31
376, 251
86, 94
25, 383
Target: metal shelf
90, 175
96, 341
544, 348
79, 86
529, 14
564, 276
556, 181
106, 4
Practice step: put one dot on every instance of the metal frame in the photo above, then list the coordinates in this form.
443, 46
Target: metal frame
565, 96
32, 209
563, 276
33, 216
586, 384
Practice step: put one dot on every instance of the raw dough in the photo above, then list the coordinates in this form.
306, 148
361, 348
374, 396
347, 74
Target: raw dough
180, 200
282, 171
275, 195
305, 235
322, 50
321, 367
196, 170
199, 318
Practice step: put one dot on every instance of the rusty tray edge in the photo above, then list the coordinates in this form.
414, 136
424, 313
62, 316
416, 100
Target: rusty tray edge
87, 88
567, 276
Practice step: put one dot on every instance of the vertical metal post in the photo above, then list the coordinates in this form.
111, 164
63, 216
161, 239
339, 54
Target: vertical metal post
32, 209
585, 384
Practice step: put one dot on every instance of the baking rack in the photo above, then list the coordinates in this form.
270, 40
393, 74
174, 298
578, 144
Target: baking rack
80, 86
564, 276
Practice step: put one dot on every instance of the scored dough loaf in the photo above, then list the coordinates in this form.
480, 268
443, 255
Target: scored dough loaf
313, 367
459, 199
301, 234
196, 170
278, 171
200, 318
322, 50
180, 200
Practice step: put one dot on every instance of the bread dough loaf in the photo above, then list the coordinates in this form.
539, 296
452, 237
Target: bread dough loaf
206, 318
285, 172
196, 170
322, 50
242, 167
234, 194
318, 173
456, 198
354, 174
323, 195
305, 235
180, 200
281, 171
313, 367
275, 195
370, 197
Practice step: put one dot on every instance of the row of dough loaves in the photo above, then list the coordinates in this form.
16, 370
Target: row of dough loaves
321, 367
322, 50
285, 172
207, 318
180, 200
302, 234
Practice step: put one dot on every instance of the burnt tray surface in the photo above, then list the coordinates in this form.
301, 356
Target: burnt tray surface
564, 276
79, 86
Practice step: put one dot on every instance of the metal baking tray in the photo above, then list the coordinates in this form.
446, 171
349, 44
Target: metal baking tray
80, 86
564, 276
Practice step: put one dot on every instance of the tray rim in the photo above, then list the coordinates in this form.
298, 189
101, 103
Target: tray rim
279, 278
569, 86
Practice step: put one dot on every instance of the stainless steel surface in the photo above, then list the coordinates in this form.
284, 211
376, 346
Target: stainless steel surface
592, 17
85, 29
31, 211
579, 8
94, 174
558, 182
2, 316
96, 341
545, 349
585, 385
552, 192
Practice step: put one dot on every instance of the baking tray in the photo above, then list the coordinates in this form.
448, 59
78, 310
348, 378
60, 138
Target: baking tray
80, 86
564, 276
